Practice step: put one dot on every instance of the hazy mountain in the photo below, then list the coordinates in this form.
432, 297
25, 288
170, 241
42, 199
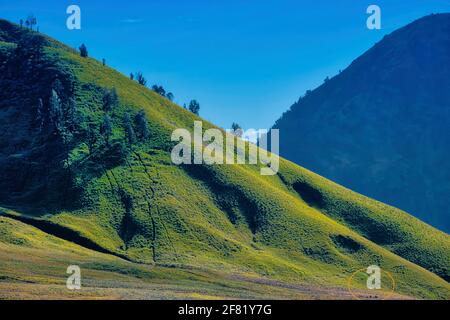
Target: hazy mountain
382, 126
77, 190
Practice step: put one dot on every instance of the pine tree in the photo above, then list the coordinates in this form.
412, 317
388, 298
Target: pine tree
106, 129
83, 51
31, 21
159, 90
237, 129
194, 107
141, 79
110, 99
131, 135
142, 125
91, 137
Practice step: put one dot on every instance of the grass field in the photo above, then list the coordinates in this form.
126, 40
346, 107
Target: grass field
34, 267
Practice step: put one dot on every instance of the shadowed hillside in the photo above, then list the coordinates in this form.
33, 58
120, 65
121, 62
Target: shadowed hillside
381, 127
73, 179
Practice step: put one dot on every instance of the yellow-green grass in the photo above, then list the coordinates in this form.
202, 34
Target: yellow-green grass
295, 227
33, 265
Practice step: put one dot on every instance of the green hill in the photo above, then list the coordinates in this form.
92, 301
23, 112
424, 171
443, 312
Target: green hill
127, 215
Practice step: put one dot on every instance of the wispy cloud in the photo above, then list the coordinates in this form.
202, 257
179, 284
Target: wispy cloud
131, 20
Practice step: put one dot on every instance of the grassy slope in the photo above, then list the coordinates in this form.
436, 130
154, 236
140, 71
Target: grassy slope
34, 267
295, 227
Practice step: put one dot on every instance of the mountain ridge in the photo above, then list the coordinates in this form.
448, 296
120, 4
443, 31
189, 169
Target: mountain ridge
380, 127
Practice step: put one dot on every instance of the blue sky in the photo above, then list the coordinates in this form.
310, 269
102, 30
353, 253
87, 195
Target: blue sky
245, 61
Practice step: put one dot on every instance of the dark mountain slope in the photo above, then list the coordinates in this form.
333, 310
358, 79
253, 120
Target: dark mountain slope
382, 126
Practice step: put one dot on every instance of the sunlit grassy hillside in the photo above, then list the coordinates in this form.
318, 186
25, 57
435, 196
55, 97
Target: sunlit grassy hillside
129, 202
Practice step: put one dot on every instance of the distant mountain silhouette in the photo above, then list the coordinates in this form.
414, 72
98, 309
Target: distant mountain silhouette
382, 126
